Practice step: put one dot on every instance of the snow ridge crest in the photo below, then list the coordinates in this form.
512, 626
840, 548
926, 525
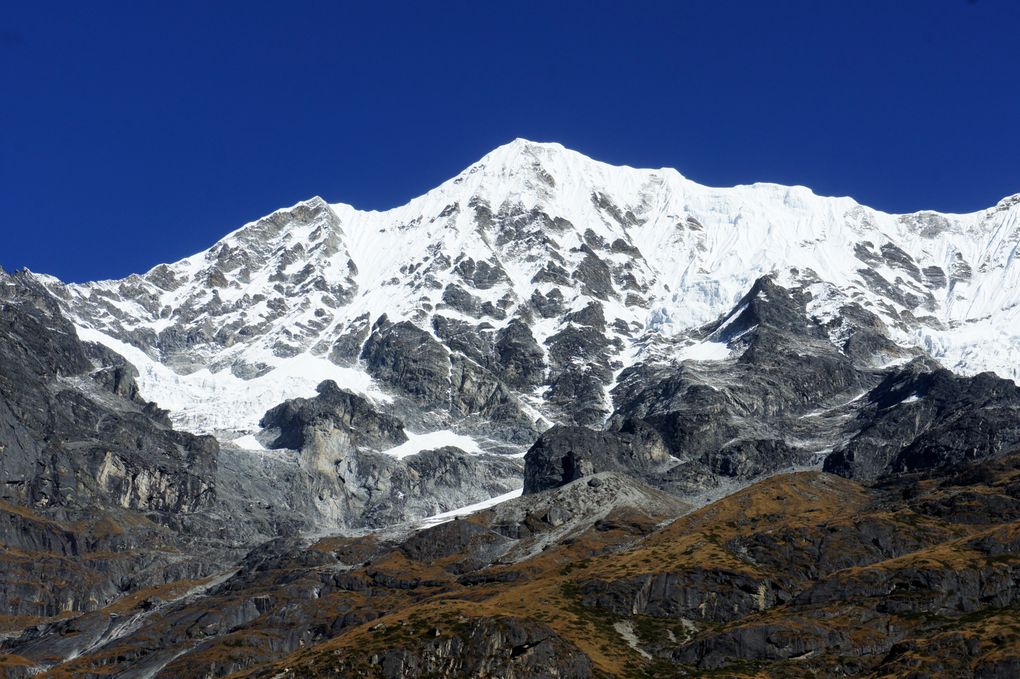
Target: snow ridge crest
629, 261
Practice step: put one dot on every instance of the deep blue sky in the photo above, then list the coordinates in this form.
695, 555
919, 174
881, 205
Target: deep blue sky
141, 132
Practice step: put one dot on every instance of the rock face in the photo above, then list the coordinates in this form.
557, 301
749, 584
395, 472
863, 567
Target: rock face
520, 360
74, 428
336, 409
918, 418
494, 647
95, 483
339, 586
411, 360
417, 366
565, 454
335, 439
779, 394
98, 486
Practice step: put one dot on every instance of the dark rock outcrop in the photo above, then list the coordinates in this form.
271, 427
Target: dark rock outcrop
924, 418
409, 359
336, 408
93, 481
520, 360
564, 454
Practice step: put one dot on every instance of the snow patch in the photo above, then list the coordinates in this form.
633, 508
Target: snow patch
205, 402
705, 351
693, 252
417, 443
248, 442
437, 519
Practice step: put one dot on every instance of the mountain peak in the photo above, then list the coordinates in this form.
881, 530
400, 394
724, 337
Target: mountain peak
540, 237
526, 145
517, 154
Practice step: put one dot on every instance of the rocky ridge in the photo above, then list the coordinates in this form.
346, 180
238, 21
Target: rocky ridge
710, 335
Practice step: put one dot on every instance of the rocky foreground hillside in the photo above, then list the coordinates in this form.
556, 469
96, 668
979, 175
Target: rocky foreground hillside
737, 432
802, 575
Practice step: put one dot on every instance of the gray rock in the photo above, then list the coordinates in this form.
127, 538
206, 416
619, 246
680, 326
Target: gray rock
410, 360
919, 418
594, 275
354, 416
519, 359
347, 348
460, 299
565, 454
481, 275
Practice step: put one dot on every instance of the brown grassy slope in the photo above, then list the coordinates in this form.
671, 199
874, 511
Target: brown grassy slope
805, 575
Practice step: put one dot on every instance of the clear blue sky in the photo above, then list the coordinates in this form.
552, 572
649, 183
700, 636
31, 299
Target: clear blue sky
141, 132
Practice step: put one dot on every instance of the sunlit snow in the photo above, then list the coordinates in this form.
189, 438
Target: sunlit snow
437, 519
692, 251
705, 351
204, 401
437, 439
248, 442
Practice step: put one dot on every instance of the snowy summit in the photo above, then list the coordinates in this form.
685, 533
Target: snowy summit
592, 267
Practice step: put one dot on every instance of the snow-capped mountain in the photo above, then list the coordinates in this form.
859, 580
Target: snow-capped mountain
517, 292
625, 344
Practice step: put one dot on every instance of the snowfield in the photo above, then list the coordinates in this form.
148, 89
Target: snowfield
416, 443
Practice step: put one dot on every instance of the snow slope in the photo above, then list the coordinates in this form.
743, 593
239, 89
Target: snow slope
286, 301
437, 519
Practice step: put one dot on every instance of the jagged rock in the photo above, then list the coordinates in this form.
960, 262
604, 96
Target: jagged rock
548, 306
481, 275
475, 391
114, 373
94, 482
473, 341
749, 459
97, 484
520, 360
501, 646
448, 477
934, 277
591, 315
411, 360
564, 454
896, 257
761, 643
594, 275
460, 299
716, 595
336, 408
347, 348
920, 419
443, 540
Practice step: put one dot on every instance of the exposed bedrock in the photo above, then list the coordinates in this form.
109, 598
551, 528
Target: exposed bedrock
786, 396
338, 438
